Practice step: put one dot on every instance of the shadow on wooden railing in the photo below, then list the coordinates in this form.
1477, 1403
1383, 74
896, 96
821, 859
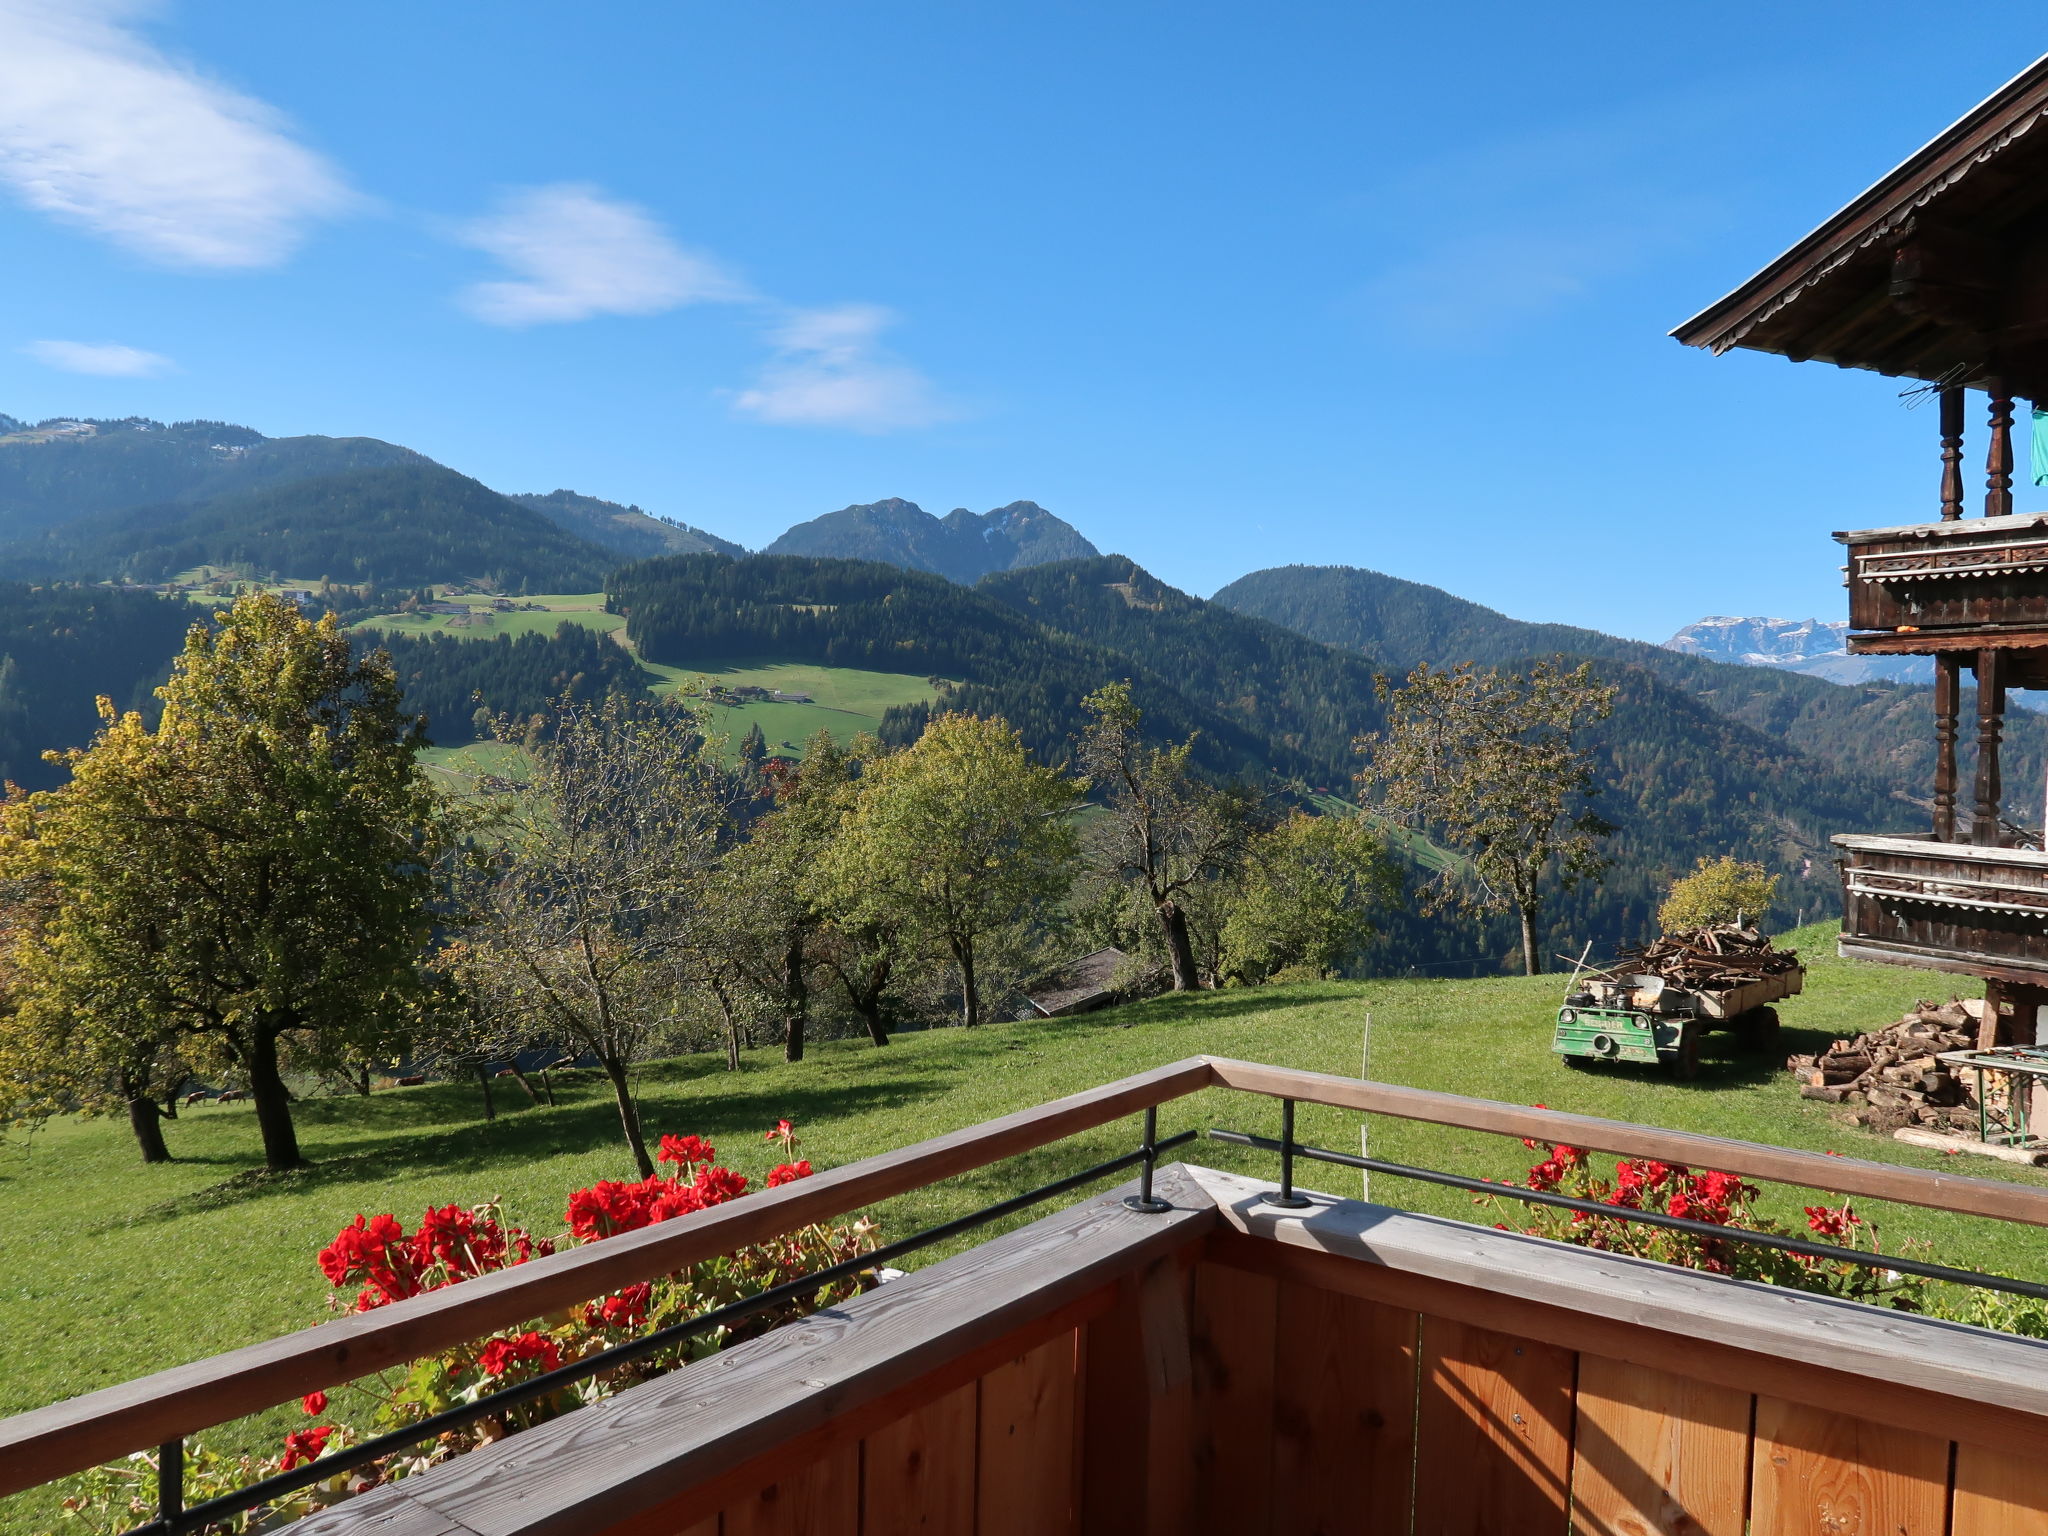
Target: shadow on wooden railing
961, 1323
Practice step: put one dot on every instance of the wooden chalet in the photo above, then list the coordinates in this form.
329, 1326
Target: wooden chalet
1939, 274
1203, 1354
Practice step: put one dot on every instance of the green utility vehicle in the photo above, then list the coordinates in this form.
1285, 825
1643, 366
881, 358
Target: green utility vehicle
1648, 1019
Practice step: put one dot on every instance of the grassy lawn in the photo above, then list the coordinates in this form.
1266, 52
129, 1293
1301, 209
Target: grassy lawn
109, 1269
846, 700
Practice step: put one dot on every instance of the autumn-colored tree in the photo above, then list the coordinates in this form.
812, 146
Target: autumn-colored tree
957, 838
1168, 833
257, 868
1723, 890
1492, 763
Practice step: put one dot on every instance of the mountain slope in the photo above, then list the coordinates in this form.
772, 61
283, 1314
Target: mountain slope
408, 525
1680, 779
691, 610
624, 530
1880, 731
57, 472
961, 546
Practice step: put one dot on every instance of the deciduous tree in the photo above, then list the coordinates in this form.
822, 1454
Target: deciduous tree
1723, 890
1169, 833
1491, 762
1308, 896
587, 902
958, 837
256, 867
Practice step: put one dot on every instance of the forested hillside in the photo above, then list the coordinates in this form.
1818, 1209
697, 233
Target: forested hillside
409, 524
59, 648
1883, 730
450, 680
693, 609
57, 472
626, 531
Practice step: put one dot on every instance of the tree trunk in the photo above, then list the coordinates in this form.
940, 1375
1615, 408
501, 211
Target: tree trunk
519, 1077
732, 1024
1179, 948
796, 995
629, 1117
170, 1106
146, 1120
273, 1104
363, 1080
1531, 965
483, 1079
970, 989
867, 999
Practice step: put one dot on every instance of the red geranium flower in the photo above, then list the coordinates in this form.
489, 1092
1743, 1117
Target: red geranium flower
788, 1173
315, 1404
304, 1445
686, 1151
502, 1355
785, 1133
717, 1185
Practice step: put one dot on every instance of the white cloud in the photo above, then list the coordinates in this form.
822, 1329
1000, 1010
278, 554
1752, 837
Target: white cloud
829, 371
576, 252
101, 130
108, 359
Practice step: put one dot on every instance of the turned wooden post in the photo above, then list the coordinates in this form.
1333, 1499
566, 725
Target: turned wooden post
1946, 688
1990, 723
1951, 455
1998, 459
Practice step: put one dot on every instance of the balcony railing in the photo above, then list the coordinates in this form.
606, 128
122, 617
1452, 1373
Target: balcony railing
1226, 1357
1959, 907
1960, 585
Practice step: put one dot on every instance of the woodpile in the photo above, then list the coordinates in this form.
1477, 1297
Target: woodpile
1707, 959
1890, 1077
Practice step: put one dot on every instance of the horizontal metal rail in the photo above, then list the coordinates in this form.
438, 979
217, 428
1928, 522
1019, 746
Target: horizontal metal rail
1707, 1229
177, 1520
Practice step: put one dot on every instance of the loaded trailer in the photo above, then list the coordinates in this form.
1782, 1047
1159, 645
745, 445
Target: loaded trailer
1642, 1016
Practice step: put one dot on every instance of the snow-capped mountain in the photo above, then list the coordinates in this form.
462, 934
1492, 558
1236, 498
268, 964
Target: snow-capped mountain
1812, 646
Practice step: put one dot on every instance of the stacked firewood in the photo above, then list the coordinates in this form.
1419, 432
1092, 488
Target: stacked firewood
1890, 1077
1706, 959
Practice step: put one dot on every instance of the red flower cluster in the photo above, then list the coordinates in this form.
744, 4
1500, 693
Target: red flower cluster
788, 1173
315, 1404
686, 1151
1549, 1173
627, 1309
1827, 1222
610, 1207
451, 1244
502, 1355
785, 1133
304, 1445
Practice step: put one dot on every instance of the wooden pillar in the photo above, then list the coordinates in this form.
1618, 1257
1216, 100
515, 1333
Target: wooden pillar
1951, 455
1947, 687
1998, 459
1990, 724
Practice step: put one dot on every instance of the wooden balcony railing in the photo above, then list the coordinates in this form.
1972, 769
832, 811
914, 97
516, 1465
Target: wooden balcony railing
1959, 907
1948, 586
1223, 1365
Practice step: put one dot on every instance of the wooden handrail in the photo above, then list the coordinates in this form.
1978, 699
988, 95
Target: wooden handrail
81, 1432
1814, 1170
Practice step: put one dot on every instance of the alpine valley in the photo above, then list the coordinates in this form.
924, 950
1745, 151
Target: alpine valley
114, 535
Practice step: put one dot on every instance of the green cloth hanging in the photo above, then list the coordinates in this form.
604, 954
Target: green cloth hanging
2040, 447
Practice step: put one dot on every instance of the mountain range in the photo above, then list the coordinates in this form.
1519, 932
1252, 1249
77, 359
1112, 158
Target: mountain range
141, 501
1009, 612
1812, 646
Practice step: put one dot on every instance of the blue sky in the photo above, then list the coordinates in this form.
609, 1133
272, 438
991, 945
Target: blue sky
1226, 286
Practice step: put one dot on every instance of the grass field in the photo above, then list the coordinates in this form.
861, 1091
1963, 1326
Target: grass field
109, 1269
484, 623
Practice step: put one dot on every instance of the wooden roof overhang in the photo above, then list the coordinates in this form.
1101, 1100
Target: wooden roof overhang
1939, 272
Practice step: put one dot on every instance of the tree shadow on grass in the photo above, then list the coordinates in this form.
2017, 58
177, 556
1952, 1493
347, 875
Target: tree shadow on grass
478, 1146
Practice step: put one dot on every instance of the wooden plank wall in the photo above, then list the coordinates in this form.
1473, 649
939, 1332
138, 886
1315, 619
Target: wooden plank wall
994, 1457
1318, 1413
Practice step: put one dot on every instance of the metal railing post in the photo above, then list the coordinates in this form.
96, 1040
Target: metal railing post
1144, 1200
170, 1482
1285, 1197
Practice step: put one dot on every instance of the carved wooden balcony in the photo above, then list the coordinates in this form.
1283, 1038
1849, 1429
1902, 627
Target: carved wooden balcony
1971, 584
1976, 911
